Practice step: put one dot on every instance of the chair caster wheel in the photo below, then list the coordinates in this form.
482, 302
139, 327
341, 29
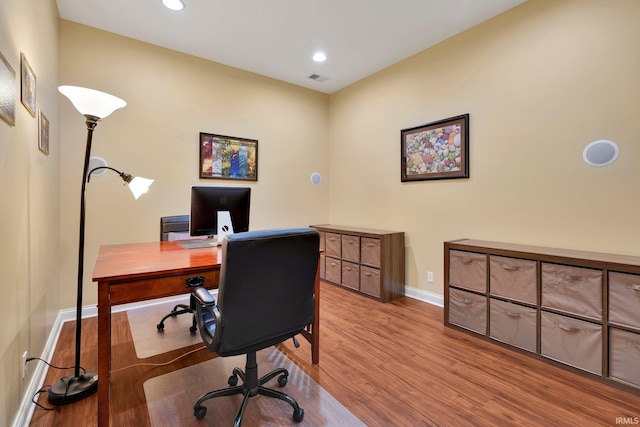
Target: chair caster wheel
298, 415
233, 380
282, 380
199, 412
193, 330
160, 327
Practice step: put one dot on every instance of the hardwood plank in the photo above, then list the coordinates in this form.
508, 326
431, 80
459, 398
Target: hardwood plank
389, 364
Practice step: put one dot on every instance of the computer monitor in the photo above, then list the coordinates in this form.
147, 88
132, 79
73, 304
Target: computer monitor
206, 202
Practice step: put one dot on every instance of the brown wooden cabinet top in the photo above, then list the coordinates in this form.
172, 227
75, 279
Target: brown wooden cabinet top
357, 230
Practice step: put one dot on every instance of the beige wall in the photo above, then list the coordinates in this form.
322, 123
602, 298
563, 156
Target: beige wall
540, 82
29, 199
171, 98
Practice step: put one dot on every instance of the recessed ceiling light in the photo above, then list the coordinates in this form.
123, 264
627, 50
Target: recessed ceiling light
319, 57
173, 4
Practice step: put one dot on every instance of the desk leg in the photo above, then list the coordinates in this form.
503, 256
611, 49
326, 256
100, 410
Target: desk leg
315, 326
104, 354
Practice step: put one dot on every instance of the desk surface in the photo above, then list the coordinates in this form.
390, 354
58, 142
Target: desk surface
152, 259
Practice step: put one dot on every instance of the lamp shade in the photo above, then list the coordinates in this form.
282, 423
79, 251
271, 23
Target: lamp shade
92, 102
139, 186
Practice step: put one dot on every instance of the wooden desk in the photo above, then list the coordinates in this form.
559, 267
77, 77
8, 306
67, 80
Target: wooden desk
141, 271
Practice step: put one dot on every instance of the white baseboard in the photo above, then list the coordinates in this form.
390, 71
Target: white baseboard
424, 296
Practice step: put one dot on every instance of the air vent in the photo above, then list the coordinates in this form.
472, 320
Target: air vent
318, 78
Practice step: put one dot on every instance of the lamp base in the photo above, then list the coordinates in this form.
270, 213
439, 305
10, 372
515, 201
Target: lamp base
72, 389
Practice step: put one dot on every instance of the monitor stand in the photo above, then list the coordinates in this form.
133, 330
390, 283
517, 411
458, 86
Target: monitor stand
225, 228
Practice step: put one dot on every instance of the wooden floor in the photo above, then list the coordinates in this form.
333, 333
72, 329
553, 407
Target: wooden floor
391, 364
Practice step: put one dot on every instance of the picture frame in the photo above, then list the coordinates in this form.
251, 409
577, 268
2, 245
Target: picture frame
228, 157
43, 139
436, 150
7, 92
27, 85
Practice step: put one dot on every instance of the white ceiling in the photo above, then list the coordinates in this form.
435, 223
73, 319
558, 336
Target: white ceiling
277, 38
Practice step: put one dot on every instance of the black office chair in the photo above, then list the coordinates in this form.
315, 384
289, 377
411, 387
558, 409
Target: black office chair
168, 225
265, 296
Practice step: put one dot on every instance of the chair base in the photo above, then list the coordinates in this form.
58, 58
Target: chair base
252, 386
178, 310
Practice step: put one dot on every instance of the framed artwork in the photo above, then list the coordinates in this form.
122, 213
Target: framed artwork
436, 150
228, 157
43, 140
7, 92
28, 85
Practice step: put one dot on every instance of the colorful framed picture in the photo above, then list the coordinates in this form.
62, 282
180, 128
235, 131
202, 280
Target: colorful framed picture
228, 157
7, 92
436, 150
43, 140
28, 85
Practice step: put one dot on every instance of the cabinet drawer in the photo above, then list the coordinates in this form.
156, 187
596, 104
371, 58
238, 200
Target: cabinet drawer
370, 251
573, 289
370, 281
350, 275
624, 356
513, 278
571, 341
332, 244
513, 324
468, 270
350, 248
624, 299
468, 310
332, 270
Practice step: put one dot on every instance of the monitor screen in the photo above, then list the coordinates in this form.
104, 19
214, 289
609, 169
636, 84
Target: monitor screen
206, 202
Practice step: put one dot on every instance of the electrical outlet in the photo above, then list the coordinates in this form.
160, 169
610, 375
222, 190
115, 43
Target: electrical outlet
430, 277
24, 364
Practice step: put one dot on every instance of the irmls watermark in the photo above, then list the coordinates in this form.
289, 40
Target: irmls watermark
627, 421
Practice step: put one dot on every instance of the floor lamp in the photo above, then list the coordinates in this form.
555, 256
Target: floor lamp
94, 105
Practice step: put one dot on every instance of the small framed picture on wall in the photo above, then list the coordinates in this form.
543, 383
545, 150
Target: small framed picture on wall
228, 157
43, 140
7, 92
28, 86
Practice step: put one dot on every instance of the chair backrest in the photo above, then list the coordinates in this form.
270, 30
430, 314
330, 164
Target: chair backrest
266, 290
173, 224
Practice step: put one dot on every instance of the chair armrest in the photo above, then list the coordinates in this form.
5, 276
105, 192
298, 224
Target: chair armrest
203, 296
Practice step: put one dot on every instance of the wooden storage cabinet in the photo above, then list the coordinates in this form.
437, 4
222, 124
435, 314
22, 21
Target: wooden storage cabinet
365, 260
578, 309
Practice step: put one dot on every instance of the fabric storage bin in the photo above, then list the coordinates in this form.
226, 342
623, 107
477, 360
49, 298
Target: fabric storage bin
513, 278
575, 290
332, 244
350, 247
370, 281
513, 324
624, 299
468, 270
351, 275
624, 356
332, 270
370, 251
571, 341
468, 310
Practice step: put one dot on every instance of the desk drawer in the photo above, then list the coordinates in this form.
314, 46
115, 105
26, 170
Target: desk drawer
140, 290
571, 341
